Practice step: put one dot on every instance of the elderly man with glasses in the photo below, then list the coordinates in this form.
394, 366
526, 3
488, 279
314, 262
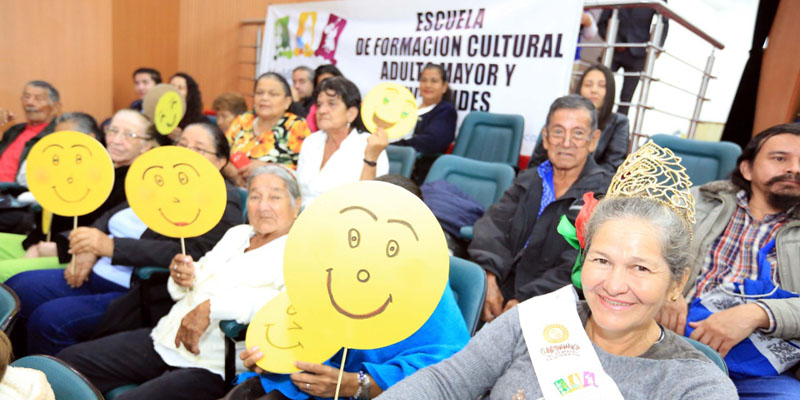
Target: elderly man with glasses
516, 240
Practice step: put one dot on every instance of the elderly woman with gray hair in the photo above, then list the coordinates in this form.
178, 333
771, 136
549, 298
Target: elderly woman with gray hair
610, 345
183, 356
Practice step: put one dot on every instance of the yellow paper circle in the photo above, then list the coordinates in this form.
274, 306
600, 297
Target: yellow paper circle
284, 337
392, 107
165, 106
369, 261
176, 192
69, 173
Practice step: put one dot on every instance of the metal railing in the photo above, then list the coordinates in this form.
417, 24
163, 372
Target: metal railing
653, 49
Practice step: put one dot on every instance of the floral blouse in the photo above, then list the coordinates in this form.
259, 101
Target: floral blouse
281, 145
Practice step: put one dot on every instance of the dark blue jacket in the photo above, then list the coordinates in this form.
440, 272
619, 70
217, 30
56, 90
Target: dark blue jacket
435, 130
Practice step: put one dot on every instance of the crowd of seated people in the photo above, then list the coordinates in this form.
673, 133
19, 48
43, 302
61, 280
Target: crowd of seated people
303, 138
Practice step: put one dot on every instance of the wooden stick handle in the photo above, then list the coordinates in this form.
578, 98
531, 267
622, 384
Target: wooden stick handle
341, 373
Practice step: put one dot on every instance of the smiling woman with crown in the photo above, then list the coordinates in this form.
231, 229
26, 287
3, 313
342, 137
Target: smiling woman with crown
608, 346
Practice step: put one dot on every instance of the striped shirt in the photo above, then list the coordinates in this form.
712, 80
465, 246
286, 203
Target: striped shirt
733, 256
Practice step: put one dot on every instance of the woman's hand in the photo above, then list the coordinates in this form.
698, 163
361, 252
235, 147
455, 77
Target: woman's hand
90, 240
192, 327
249, 357
181, 270
376, 142
77, 272
320, 380
42, 249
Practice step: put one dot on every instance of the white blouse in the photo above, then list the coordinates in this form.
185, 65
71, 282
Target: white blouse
344, 165
237, 283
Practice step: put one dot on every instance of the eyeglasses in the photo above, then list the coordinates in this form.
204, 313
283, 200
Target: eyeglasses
559, 134
197, 149
114, 131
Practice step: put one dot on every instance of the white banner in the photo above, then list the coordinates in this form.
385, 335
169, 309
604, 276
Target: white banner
503, 56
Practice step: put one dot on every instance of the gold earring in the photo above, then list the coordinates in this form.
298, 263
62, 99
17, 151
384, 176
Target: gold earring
674, 298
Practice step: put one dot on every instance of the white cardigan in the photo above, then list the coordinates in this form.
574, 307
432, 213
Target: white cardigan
344, 166
238, 285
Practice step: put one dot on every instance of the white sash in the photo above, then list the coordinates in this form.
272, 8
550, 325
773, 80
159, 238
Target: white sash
565, 362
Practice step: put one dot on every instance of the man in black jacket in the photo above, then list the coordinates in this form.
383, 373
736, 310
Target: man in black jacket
41, 103
516, 241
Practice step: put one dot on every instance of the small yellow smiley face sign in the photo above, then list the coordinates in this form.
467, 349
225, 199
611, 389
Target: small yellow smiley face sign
176, 192
165, 107
284, 337
369, 261
391, 107
69, 173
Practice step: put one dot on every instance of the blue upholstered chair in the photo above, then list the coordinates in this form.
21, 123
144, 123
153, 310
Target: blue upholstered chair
704, 161
710, 353
67, 383
401, 159
483, 181
9, 307
490, 137
468, 281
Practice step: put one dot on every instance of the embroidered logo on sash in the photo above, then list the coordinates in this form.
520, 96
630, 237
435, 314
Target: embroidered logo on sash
574, 382
556, 333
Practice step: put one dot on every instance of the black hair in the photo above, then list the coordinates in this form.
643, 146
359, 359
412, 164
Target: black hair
750, 152
325, 69
194, 101
154, 74
604, 113
348, 92
83, 123
448, 95
287, 89
403, 182
221, 147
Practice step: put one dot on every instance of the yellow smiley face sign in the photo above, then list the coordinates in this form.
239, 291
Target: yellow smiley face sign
165, 107
284, 337
391, 107
69, 173
369, 261
176, 192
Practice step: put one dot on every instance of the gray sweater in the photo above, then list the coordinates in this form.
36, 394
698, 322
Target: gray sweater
497, 359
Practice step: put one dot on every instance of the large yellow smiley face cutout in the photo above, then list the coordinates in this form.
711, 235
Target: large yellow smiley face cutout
69, 173
176, 192
391, 107
165, 107
284, 337
369, 261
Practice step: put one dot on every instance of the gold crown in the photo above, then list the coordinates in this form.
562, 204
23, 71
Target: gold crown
656, 173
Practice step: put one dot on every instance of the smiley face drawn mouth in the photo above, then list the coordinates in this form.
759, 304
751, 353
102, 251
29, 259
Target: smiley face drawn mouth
349, 314
180, 223
172, 123
266, 334
71, 201
381, 123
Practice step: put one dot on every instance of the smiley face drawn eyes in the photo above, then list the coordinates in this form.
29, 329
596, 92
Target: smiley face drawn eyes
78, 159
159, 180
353, 238
392, 248
183, 178
55, 159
